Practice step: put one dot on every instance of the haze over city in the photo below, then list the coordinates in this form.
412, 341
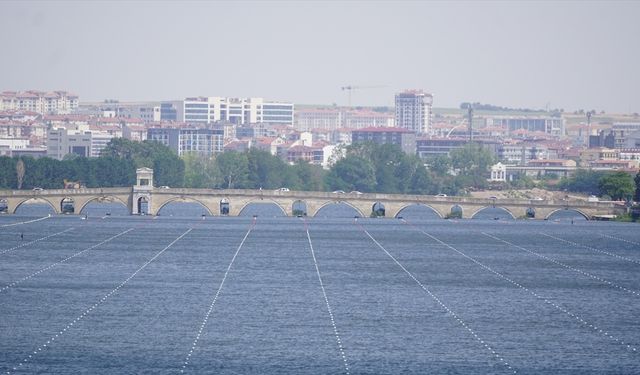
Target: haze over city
571, 55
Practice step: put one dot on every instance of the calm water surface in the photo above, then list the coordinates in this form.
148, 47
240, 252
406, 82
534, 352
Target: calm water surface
115, 294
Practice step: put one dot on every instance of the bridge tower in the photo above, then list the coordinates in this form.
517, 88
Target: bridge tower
141, 196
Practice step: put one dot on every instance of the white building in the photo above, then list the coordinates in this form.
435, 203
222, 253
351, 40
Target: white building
99, 141
61, 142
236, 111
56, 102
498, 172
413, 111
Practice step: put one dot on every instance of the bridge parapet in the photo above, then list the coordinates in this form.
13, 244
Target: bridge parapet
211, 199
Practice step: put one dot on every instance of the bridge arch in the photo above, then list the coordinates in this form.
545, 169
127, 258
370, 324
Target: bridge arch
183, 199
37, 199
257, 201
497, 207
101, 198
328, 203
576, 210
299, 208
419, 205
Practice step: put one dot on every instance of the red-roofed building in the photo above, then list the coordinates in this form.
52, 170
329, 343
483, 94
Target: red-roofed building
38, 101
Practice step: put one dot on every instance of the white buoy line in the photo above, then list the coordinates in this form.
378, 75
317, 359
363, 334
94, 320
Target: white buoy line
583, 322
25, 222
36, 240
442, 304
326, 301
62, 261
620, 239
213, 301
95, 305
592, 248
584, 273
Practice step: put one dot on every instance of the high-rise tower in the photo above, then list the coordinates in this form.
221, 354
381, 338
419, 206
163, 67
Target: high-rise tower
413, 110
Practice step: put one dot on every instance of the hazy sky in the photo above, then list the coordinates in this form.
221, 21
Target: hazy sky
567, 54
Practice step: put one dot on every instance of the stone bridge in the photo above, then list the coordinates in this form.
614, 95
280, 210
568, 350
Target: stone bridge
149, 200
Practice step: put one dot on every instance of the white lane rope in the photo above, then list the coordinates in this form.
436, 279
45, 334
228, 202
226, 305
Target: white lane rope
592, 248
584, 273
326, 301
620, 239
34, 241
445, 307
94, 306
25, 222
583, 322
62, 261
213, 302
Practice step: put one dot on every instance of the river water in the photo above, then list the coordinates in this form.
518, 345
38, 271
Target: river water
268, 294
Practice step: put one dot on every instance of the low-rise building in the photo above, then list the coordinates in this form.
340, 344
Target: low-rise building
204, 141
55, 102
404, 138
61, 142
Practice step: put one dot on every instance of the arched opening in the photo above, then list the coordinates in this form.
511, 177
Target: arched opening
455, 213
262, 209
105, 206
224, 207
493, 213
4, 206
35, 207
418, 212
567, 214
67, 205
183, 208
337, 210
143, 206
530, 213
299, 208
377, 210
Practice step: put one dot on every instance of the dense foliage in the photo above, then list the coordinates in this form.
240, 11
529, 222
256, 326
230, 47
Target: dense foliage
616, 185
168, 168
254, 169
636, 197
49, 173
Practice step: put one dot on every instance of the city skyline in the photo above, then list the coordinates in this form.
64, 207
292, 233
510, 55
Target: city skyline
528, 54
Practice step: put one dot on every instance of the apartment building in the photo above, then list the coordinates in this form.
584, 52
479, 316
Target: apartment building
55, 102
237, 111
61, 142
404, 138
413, 111
545, 124
201, 140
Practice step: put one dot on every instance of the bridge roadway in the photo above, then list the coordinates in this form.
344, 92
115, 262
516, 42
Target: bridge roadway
313, 201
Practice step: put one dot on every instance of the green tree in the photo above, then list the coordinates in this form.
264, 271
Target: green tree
583, 181
20, 172
440, 165
266, 171
352, 173
200, 171
168, 168
234, 169
472, 159
637, 181
8, 178
617, 185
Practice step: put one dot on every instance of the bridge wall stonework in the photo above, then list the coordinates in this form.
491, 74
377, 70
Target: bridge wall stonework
314, 201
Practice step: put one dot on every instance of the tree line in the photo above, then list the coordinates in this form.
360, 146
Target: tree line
364, 167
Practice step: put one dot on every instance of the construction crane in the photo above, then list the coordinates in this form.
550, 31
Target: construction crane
350, 88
